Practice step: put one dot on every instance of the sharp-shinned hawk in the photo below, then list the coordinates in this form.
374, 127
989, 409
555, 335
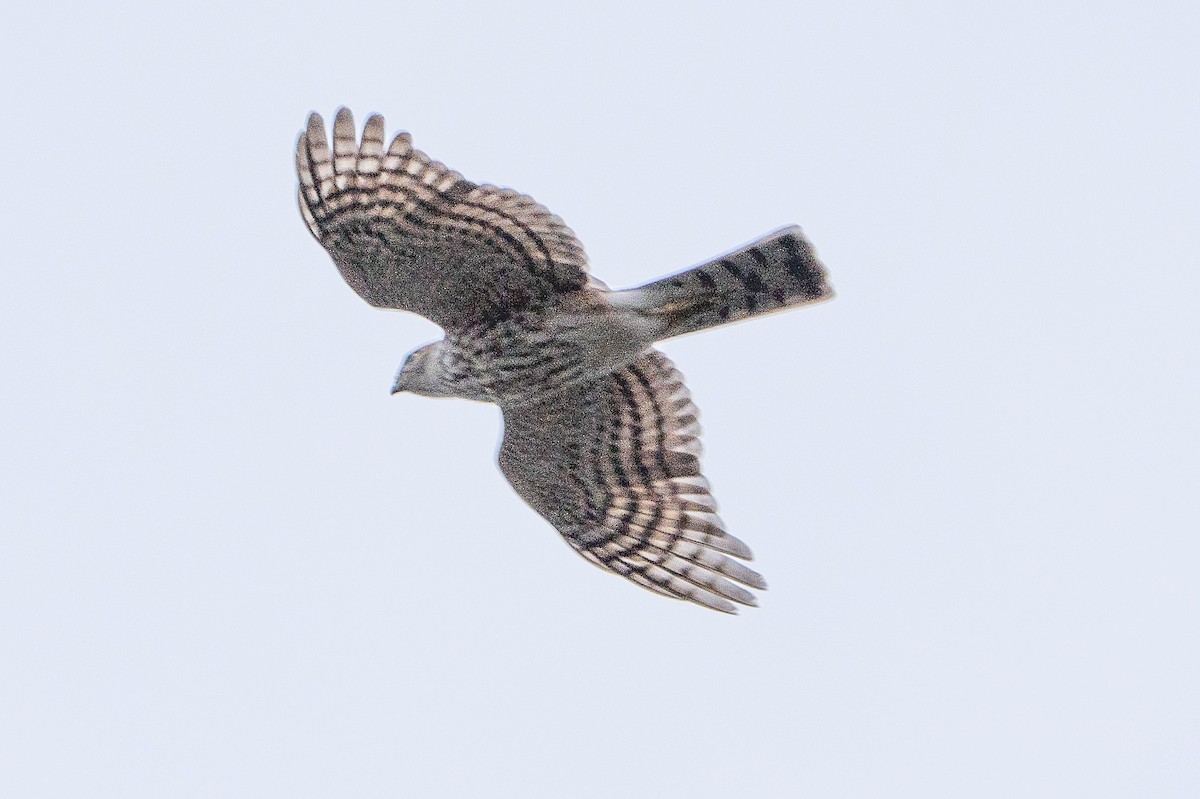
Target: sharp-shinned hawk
600, 433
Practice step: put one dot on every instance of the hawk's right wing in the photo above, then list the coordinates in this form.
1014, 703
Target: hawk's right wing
614, 466
409, 233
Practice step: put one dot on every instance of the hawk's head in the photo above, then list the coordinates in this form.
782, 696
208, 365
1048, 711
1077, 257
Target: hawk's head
423, 372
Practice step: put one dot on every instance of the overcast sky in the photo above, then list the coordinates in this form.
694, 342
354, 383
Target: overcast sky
231, 565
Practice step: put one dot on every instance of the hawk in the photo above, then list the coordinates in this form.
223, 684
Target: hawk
600, 433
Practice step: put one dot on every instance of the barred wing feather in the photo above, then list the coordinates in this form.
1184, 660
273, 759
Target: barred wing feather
407, 232
614, 465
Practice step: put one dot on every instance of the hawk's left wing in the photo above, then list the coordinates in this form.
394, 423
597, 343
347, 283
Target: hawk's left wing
614, 466
407, 232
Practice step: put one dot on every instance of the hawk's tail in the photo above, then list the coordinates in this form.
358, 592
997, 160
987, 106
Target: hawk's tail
777, 271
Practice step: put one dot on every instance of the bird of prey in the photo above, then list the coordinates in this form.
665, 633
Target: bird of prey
600, 433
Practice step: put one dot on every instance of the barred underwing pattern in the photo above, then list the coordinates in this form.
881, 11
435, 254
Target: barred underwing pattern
614, 464
407, 232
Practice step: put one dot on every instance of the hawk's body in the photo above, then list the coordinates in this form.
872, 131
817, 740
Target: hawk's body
601, 436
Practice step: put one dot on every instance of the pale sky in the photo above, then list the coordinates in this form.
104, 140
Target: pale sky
231, 565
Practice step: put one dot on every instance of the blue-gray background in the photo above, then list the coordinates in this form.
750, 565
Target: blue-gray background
231, 565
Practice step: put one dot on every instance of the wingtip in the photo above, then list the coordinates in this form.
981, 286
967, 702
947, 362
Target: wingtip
316, 124
401, 144
720, 605
737, 547
343, 123
742, 573
373, 130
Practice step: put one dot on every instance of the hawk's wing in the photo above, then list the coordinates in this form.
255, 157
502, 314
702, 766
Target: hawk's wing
409, 233
614, 465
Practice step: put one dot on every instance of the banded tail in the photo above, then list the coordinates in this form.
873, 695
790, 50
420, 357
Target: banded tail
778, 271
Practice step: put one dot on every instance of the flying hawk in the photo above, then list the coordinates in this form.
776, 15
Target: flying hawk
600, 433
